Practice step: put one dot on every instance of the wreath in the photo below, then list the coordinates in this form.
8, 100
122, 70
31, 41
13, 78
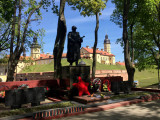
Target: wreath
96, 84
2, 93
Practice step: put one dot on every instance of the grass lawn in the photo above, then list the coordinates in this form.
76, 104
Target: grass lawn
133, 94
34, 109
145, 78
50, 67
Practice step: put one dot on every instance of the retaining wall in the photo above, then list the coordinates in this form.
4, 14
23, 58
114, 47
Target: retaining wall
50, 75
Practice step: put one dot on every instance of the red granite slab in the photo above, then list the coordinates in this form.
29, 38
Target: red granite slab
86, 99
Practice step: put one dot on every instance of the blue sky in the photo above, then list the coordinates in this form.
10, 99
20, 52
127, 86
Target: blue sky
85, 26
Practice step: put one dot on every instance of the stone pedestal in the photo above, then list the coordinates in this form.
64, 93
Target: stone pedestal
70, 75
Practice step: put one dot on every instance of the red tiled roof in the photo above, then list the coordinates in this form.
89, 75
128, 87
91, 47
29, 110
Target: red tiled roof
27, 58
22, 57
121, 63
98, 51
46, 56
64, 55
42, 56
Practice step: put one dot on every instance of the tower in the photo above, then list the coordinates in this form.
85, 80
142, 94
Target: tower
107, 44
35, 48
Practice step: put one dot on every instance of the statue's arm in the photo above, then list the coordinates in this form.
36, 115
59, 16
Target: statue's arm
80, 39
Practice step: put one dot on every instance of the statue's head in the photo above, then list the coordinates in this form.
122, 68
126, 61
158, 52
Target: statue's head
74, 28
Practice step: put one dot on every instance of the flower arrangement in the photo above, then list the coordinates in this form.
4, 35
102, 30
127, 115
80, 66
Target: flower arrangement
46, 89
96, 84
97, 81
107, 85
2, 94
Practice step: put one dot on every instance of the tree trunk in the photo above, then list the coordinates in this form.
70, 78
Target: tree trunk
132, 46
11, 67
60, 40
128, 64
11, 70
95, 46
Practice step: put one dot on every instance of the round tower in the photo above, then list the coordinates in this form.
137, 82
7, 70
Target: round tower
35, 48
107, 44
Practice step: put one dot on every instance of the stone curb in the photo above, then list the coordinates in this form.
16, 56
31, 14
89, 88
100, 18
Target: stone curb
108, 106
55, 112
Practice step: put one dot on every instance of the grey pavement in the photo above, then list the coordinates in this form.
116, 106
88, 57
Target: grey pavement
141, 111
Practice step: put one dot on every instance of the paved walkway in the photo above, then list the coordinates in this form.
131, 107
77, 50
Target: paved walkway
141, 111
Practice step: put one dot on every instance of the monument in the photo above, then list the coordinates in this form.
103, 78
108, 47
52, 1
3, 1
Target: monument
74, 45
71, 73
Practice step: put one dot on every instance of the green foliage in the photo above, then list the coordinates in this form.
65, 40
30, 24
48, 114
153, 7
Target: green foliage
88, 7
135, 94
147, 35
144, 16
136, 7
6, 19
47, 3
6, 10
4, 60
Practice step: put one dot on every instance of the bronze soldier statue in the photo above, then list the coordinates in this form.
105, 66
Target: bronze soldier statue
74, 45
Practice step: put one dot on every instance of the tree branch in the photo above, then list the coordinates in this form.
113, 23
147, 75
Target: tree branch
13, 29
26, 25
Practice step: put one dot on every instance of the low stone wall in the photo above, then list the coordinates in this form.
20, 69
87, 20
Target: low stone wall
35, 76
50, 75
110, 73
32, 83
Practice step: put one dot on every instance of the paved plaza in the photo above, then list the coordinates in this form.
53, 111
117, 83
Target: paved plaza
141, 111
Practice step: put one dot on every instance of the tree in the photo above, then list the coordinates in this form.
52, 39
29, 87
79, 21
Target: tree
135, 13
128, 63
125, 13
6, 11
147, 32
90, 8
5, 29
18, 35
60, 40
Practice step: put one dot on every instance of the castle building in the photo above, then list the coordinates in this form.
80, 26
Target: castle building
103, 56
35, 49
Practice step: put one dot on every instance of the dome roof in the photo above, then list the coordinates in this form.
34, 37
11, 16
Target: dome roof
35, 43
106, 40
